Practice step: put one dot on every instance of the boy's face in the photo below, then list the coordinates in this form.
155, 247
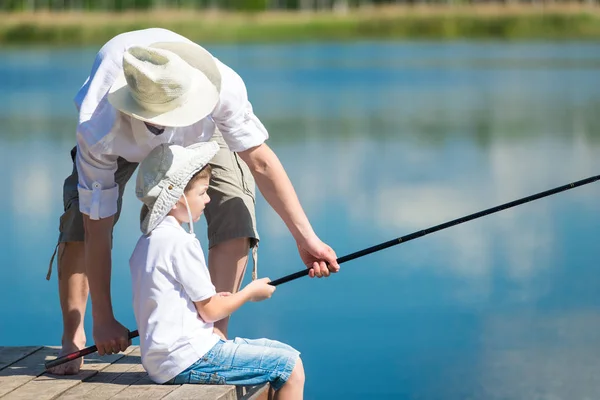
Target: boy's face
197, 199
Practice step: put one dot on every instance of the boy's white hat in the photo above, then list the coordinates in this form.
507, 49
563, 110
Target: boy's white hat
163, 176
167, 84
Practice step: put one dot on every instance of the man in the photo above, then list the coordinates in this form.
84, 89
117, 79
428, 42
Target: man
146, 88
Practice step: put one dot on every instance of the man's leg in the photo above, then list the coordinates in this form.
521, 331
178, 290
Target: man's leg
73, 293
72, 278
227, 264
231, 223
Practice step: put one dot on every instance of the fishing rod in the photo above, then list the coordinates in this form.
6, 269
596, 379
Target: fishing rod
83, 352
445, 225
373, 249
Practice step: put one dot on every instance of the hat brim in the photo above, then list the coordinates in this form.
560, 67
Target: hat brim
156, 212
200, 102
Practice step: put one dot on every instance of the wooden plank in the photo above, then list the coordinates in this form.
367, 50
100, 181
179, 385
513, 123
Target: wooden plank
9, 355
108, 382
143, 387
46, 387
119, 376
24, 370
212, 392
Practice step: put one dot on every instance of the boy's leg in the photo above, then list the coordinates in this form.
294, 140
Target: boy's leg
72, 279
231, 222
265, 343
294, 386
240, 363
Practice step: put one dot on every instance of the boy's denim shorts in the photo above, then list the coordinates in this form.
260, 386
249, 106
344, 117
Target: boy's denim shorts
242, 362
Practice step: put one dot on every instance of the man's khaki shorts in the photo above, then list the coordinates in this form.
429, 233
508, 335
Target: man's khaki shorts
230, 213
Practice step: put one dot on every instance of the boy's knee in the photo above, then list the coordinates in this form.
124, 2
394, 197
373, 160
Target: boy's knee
297, 376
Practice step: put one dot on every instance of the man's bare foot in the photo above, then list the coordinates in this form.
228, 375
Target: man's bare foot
70, 367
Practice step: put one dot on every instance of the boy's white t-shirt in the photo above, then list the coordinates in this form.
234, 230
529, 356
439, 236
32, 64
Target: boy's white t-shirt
168, 274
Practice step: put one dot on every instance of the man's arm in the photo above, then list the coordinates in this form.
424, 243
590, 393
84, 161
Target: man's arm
98, 264
109, 335
98, 198
245, 134
276, 187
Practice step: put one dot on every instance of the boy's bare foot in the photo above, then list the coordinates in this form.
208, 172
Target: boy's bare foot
70, 367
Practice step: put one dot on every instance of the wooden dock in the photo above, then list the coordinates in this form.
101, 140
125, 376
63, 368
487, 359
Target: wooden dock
117, 376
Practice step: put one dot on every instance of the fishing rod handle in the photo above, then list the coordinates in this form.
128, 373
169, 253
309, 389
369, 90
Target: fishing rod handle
83, 352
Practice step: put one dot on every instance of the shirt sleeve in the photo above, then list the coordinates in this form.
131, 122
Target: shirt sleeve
189, 269
98, 192
234, 115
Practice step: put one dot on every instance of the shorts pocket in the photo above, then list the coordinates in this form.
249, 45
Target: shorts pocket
245, 176
66, 219
204, 378
70, 225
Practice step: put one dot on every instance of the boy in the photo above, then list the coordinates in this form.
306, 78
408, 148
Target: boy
148, 87
175, 303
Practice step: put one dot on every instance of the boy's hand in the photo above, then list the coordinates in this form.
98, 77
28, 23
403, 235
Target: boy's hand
260, 289
224, 294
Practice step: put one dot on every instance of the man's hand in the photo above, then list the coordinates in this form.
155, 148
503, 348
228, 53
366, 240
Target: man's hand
111, 337
275, 186
319, 257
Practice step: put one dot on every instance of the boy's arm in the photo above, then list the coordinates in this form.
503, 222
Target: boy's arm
190, 270
217, 307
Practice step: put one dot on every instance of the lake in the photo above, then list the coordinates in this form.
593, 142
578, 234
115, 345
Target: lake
380, 139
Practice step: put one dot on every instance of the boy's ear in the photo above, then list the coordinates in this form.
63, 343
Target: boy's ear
181, 200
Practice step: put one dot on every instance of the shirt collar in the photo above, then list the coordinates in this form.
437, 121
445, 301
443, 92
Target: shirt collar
171, 221
140, 132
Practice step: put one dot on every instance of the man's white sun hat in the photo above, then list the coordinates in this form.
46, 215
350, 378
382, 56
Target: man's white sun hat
168, 84
163, 176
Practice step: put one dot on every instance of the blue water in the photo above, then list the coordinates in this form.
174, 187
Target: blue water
380, 140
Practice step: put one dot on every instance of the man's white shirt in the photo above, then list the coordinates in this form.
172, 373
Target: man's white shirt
105, 134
